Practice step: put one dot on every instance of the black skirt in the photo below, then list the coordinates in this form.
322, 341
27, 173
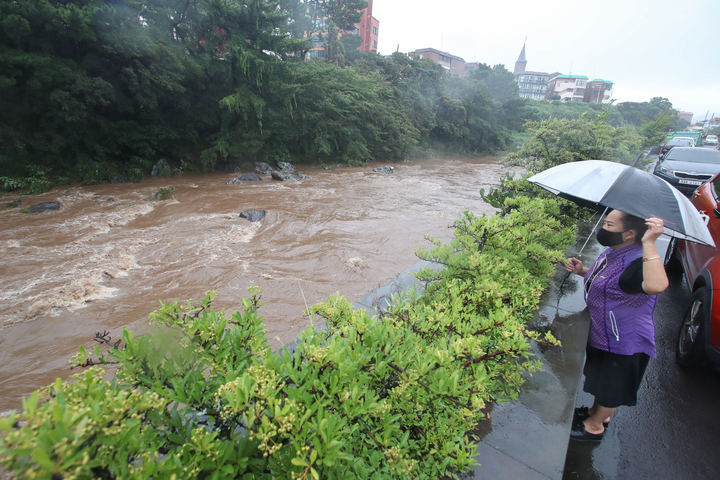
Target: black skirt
613, 379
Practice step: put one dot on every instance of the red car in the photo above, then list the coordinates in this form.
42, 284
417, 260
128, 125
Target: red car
699, 335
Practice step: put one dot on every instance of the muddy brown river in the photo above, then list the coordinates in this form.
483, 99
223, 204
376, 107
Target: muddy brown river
98, 265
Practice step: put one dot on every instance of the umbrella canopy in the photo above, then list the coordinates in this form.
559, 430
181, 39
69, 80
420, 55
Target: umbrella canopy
598, 184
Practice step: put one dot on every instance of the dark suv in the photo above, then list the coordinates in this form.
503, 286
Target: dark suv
699, 335
686, 168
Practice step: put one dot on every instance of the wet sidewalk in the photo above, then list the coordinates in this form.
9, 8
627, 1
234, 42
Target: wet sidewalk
528, 439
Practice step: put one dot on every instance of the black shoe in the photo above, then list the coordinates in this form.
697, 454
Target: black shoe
579, 433
581, 414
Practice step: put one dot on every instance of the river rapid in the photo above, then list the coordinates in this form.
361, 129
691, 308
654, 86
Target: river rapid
98, 265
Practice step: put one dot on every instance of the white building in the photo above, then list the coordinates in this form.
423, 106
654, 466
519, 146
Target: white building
571, 88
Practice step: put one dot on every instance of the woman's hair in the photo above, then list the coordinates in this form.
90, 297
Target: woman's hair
631, 222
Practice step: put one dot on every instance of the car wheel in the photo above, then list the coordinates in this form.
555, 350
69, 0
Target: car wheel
673, 263
691, 337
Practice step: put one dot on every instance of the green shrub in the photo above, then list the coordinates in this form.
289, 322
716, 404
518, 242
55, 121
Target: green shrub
134, 175
15, 203
164, 193
34, 182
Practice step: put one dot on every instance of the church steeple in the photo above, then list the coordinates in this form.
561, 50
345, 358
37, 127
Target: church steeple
521, 61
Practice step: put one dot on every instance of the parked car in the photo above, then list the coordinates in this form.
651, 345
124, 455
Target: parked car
699, 335
677, 142
691, 140
687, 168
711, 140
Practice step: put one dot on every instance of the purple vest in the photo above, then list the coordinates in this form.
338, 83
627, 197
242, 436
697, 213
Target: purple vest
620, 323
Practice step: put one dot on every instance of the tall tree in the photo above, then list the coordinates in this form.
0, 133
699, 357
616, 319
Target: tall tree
323, 22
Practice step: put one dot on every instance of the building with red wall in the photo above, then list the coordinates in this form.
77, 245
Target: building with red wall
452, 63
368, 29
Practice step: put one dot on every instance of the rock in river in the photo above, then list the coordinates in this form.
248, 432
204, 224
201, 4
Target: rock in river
253, 215
286, 167
384, 169
43, 207
249, 177
263, 168
284, 176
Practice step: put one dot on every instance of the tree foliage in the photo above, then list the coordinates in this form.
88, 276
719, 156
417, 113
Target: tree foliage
554, 142
394, 396
97, 88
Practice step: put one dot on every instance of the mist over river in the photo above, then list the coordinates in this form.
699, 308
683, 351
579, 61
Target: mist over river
99, 265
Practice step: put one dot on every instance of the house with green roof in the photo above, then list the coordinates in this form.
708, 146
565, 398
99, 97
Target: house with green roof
571, 88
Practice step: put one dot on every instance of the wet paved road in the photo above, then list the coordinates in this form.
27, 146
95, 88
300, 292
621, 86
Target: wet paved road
674, 431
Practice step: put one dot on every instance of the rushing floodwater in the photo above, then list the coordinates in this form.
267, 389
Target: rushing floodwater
96, 265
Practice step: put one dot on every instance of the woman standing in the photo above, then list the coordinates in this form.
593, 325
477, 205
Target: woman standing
621, 292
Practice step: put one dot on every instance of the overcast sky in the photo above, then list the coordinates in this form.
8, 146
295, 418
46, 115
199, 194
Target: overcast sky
646, 48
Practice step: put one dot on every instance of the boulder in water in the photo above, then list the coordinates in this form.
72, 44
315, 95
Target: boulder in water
249, 177
284, 177
286, 167
42, 207
253, 215
384, 169
235, 181
263, 168
302, 176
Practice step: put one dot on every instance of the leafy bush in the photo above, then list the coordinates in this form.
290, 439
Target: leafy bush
15, 203
34, 182
394, 396
164, 193
555, 142
503, 197
134, 175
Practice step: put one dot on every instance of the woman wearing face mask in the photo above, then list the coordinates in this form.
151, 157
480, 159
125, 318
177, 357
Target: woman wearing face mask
621, 292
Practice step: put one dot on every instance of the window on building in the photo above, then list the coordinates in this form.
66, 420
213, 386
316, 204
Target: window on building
374, 44
444, 58
581, 83
375, 31
316, 54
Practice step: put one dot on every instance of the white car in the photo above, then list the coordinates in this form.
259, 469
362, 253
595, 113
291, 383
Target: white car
711, 140
690, 139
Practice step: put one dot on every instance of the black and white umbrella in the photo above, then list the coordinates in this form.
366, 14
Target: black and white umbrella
598, 184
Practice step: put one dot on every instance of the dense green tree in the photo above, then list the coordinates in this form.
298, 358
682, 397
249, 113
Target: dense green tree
86, 82
323, 23
95, 88
555, 142
681, 124
498, 81
637, 113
